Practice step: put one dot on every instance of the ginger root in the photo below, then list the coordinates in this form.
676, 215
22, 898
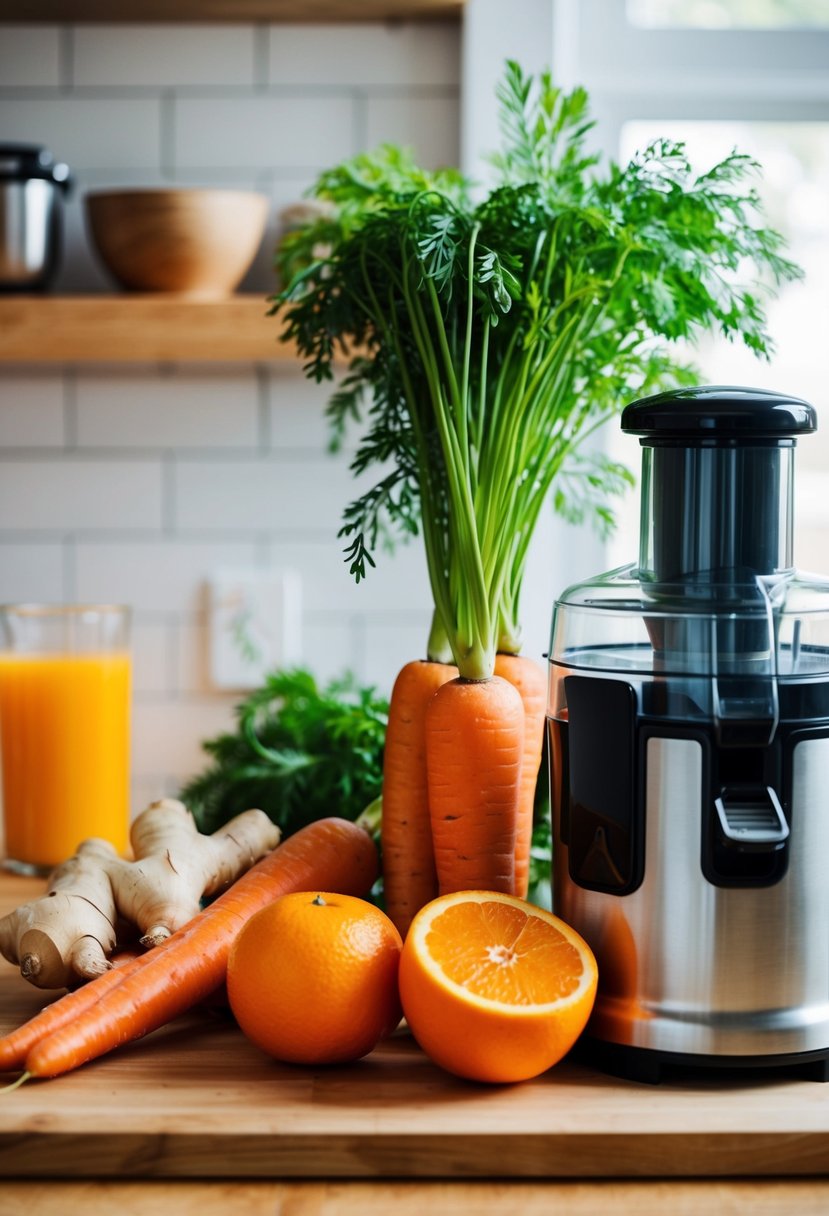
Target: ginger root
71, 931
175, 865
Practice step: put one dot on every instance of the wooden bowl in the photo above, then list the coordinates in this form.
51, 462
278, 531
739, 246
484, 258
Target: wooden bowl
196, 243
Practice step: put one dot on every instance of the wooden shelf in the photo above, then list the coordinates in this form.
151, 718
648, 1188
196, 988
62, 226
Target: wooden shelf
138, 329
236, 11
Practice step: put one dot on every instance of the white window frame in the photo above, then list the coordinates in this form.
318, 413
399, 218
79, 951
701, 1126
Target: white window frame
636, 73
632, 72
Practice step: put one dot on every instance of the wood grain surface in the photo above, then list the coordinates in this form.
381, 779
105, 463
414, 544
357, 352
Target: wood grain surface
196, 243
612, 1198
196, 1101
138, 328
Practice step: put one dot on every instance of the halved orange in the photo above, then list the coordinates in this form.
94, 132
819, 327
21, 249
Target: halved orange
494, 988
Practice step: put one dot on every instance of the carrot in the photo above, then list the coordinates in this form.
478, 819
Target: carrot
15, 1046
331, 854
474, 745
409, 878
528, 678
119, 956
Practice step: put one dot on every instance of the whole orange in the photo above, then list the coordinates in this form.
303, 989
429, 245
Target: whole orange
312, 978
494, 988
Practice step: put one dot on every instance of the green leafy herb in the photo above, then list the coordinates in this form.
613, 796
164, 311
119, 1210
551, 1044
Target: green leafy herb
301, 752
494, 336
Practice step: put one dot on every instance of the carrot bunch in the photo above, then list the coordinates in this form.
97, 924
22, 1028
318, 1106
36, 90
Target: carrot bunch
411, 274
459, 775
495, 331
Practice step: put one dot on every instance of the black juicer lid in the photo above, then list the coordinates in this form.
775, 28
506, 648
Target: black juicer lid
715, 414
22, 162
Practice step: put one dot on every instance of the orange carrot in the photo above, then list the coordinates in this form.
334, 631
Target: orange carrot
119, 956
474, 744
331, 854
409, 878
528, 678
15, 1046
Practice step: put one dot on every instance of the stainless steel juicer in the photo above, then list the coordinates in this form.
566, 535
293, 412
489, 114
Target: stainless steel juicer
688, 722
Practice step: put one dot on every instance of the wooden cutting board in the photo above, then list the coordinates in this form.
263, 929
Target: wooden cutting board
195, 1100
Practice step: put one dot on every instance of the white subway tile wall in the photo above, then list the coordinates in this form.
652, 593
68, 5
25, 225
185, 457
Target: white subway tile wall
230, 493
167, 734
151, 650
32, 413
364, 56
413, 122
33, 572
173, 55
71, 494
158, 575
193, 409
133, 484
30, 56
112, 132
247, 132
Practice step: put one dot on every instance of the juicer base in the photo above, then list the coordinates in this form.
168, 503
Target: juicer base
648, 1066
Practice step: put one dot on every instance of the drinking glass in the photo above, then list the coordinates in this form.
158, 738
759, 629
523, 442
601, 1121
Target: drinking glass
65, 679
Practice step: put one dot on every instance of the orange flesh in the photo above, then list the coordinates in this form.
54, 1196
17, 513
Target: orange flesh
499, 952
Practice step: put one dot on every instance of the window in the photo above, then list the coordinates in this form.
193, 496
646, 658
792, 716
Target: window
728, 14
691, 69
765, 91
795, 190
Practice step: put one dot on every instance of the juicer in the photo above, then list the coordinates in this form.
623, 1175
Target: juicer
688, 725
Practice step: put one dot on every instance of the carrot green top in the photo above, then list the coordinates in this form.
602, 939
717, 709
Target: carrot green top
494, 336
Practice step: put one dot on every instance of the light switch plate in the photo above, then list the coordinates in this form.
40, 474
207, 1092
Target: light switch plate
255, 625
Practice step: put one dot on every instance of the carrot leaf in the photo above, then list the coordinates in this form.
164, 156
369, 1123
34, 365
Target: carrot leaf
497, 333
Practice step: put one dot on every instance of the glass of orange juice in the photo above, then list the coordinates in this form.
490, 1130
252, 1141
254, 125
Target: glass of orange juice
65, 678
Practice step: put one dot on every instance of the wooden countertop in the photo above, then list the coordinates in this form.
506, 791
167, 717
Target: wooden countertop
197, 1101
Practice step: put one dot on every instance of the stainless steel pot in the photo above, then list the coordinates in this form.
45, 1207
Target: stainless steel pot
31, 186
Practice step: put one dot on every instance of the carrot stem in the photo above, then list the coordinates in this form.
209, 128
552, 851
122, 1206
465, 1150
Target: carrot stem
438, 649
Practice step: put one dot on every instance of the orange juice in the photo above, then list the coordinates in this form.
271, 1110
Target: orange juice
64, 727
